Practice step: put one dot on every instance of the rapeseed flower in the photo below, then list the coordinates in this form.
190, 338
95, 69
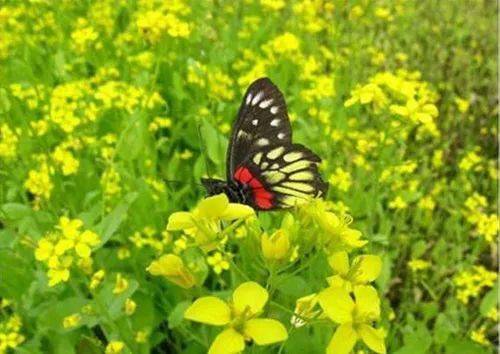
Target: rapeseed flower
275, 247
241, 318
203, 223
362, 270
173, 268
355, 318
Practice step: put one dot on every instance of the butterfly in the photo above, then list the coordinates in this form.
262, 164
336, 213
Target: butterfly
265, 170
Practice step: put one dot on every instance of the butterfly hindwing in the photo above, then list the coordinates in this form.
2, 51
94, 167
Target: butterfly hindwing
285, 175
262, 122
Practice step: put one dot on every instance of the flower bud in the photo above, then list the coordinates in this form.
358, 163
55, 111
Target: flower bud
276, 246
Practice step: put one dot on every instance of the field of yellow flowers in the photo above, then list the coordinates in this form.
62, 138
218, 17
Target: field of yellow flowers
111, 110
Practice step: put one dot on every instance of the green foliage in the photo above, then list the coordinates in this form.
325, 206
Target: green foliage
102, 108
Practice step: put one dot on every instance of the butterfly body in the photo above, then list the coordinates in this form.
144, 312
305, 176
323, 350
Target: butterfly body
264, 168
236, 192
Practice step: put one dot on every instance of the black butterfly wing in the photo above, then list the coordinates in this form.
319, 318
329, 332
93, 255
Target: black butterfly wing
262, 156
262, 121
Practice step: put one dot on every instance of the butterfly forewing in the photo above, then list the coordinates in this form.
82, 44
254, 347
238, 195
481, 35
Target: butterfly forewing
262, 122
262, 157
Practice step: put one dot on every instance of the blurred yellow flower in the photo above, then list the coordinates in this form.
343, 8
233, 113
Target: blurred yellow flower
418, 264
114, 347
218, 262
71, 321
121, 284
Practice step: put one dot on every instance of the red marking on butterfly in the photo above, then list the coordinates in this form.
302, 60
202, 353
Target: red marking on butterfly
261, 196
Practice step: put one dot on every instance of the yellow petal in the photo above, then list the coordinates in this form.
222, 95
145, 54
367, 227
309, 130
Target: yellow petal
209, 310
89, 238
249, 296
214, 206
63, 245
343, 340
237, 211
367, 303
372, 338
339, 261
366, 268
265, 331
227, 342
276, 246
82, 250
337, 304
180, 221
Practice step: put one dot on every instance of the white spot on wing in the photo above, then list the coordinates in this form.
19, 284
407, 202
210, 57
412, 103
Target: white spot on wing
281, 135
274, 109
263, 142
275, 122
257, 98
255, 122
249, 98
242, 134
266, 103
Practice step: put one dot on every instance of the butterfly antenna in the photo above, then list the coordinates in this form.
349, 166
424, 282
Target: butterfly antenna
203, 151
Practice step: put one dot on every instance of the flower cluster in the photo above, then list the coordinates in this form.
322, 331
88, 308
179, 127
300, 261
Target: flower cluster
470, 283
63, 247
10, 330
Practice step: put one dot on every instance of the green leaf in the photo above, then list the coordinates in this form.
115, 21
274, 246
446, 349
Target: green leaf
463, 346
16, 275
52, 313
416, 340
214, 142
177, 315
108, 226
489, 300
294, 286
442, 329
15, 211
88, 346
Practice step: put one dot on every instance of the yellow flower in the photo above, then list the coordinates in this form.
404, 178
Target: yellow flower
130, 306
479, 336
218, 262
39, 182
61, 272
68, 163
398, 203
114, 347
462, 104
172, 267
470, 283
274, 5
354, 318
418, 264
8, 142
304, 310
71, 320
96, 279
275, 247
203, 222
46, 251
69, 228
240, 318
341, 179
362, 270
121, 284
